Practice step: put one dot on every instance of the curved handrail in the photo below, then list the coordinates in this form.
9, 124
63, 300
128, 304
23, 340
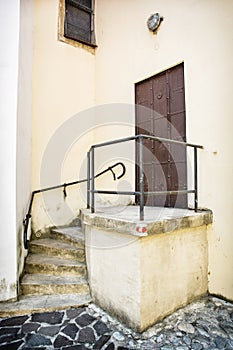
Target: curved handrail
28, 215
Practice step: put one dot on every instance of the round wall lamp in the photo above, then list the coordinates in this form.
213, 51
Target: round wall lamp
154, 21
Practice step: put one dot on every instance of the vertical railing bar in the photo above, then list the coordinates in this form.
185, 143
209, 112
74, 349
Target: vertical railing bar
195, 180
92, 180
141, 180
88, 178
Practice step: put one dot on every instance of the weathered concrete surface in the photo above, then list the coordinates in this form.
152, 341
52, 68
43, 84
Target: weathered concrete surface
125, 219
41, 303
113, 264
157, 265
56, 264
174, 270
42, 284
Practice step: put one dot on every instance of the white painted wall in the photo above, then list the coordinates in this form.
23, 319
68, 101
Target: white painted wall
9, 38
15, 137
24, 115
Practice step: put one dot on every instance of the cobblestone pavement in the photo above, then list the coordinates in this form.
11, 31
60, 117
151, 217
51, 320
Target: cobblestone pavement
205, 324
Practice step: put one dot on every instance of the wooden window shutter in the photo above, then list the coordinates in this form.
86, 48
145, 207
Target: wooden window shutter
79, 19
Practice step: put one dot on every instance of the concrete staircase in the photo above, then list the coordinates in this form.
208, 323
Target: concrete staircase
56, 265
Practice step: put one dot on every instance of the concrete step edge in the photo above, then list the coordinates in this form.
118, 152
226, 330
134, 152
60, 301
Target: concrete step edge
73, 235
44, 264
53, 243
42, 289
43, 303
34, 258
52, 247
44, 279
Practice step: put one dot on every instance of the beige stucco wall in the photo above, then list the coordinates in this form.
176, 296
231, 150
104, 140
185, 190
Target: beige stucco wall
68, 80
63, 85
198, 33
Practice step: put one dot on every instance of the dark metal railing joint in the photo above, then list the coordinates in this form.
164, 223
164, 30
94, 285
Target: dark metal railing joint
64, 190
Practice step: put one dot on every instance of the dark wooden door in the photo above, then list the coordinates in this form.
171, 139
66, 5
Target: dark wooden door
160, 111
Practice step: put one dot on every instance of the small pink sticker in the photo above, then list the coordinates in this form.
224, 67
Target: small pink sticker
141, 229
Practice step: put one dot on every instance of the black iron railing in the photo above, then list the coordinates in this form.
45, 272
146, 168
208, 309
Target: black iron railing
64, 186
91, 190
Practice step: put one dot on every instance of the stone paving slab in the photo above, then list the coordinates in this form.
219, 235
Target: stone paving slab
204, 324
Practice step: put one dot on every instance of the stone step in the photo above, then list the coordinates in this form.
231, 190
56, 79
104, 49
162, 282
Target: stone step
41, 284
28, 304
72, 235
67, 233
44, 264
53, 247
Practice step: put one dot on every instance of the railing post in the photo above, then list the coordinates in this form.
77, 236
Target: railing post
88, 178
92, 180
141, 179
195, 180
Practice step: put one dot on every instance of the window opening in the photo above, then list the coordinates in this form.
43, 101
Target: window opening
79, 21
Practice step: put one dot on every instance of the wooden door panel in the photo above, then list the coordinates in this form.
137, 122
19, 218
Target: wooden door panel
144, 119
176, 89
161, 152
161, 112
145, 127
178, 170
143, 92
159, 93
178, 153
148, 182
178, 182
160, 127
160, 184
178, 130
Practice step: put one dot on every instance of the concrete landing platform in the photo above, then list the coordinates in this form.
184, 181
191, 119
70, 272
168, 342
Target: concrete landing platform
157, 220
159, 264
